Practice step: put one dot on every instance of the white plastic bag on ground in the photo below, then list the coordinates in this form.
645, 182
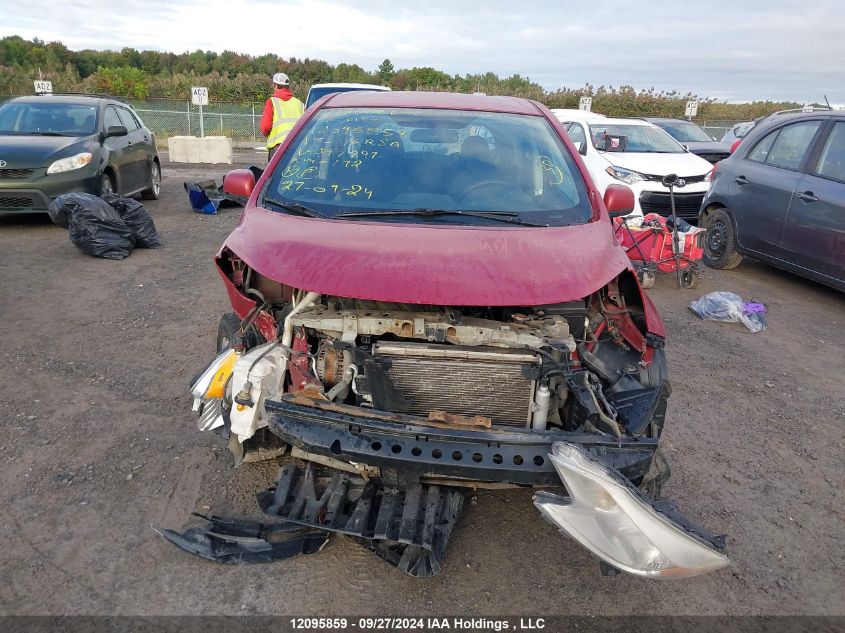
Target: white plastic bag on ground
728, 307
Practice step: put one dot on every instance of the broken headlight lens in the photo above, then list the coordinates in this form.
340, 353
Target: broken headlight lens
613, 521
209, 389
70, 163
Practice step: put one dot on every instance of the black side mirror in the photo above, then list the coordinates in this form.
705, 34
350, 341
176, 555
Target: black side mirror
116, 130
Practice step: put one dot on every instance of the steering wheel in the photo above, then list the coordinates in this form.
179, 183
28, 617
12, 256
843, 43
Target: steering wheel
489, 183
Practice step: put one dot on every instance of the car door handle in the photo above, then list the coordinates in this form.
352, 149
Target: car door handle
806, 196
741, 180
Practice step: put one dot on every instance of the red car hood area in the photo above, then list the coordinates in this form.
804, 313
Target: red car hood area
439, 265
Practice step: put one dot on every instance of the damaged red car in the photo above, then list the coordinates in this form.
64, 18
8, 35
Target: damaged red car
428, 298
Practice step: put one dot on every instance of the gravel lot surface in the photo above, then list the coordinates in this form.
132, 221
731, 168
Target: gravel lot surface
100, 444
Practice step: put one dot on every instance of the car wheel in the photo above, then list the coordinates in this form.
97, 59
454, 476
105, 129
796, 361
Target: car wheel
720, 241
229, 325
155, 179
106, 185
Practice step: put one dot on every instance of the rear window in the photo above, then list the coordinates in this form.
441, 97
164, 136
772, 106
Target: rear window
317, 93
373, 159
54, 119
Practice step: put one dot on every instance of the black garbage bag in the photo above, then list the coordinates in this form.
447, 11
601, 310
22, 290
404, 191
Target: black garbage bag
62, 207
94, 226
137, 218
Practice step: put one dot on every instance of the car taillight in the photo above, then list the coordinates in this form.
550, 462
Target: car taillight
735, 145
709, 177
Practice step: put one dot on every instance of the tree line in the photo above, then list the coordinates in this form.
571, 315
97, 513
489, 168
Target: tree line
237, 77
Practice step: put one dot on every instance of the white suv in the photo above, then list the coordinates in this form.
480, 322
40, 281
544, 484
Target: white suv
638, 154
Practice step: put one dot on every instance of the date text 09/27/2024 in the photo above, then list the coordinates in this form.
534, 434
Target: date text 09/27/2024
424, 624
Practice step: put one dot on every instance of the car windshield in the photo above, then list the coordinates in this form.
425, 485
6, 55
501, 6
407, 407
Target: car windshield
428, 165
685, 132
61, 119
318, 92
631, 137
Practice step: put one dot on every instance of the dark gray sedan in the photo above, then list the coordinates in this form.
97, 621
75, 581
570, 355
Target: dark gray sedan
780, 197
696, 140
56, 144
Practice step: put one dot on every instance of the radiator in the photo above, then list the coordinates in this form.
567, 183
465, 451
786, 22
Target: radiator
486, 381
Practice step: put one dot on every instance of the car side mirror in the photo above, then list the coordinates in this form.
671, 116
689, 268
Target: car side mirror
577, 145
619, 200
116, 130
239, 182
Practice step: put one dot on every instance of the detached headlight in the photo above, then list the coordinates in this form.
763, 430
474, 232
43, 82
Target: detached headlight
70, 163
618, 525
625, 175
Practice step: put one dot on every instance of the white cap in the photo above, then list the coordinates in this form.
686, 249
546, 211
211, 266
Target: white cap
281, 79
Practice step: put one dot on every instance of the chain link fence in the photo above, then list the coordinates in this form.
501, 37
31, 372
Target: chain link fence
240, 121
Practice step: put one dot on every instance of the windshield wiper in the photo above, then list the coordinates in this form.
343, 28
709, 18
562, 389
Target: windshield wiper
48, 133
511, 217
295, 208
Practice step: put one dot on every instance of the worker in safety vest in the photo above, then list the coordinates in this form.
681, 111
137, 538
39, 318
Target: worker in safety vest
281, 112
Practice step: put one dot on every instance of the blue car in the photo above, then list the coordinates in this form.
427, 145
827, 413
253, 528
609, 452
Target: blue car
780, 198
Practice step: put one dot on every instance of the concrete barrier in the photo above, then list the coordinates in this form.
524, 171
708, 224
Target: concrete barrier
192, 149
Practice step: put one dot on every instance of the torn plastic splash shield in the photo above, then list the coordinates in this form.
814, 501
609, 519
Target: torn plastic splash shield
234, 542
626, 530
409, 527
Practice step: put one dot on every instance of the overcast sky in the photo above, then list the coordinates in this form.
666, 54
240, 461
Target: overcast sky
726, 49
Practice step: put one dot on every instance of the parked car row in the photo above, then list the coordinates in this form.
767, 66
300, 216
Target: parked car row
779, 197
639, 154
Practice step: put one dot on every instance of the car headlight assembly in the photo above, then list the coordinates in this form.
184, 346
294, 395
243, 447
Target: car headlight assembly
611, 519
70, 163
625, 175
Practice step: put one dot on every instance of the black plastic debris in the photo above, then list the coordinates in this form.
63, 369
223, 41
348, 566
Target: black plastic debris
409, 526
237, 542
137, 218
94, 226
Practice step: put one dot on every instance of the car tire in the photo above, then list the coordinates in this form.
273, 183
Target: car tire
154, 191
106, 185
720, 241
229, 325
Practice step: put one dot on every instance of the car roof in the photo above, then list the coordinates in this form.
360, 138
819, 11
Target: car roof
352, 85
655, 119
443, 100
571, 114
72, 99
778, 119
793, 116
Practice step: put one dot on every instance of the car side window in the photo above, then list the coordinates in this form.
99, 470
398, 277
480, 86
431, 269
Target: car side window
576, 134
832, 159
128, 120
111, 119
792, 144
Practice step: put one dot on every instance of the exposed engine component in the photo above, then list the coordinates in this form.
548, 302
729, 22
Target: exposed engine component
330, 363
462, 379
434, 327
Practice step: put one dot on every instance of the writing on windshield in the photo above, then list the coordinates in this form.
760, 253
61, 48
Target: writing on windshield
405, 159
